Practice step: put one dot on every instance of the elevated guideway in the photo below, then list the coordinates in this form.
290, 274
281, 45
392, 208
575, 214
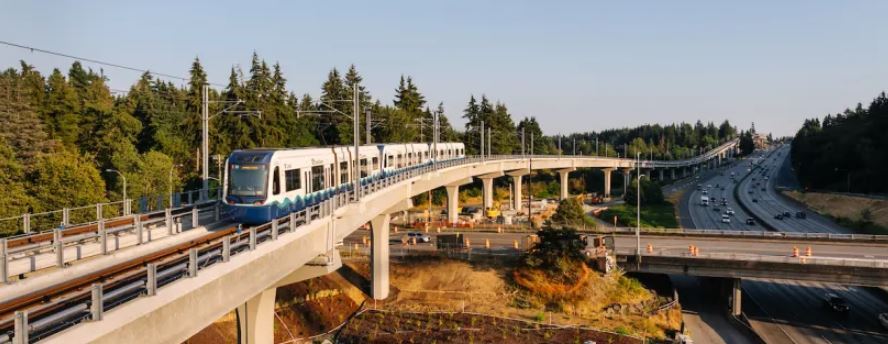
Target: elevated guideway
241, 270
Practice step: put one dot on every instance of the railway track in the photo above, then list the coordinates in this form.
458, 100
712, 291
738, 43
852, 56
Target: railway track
57, 307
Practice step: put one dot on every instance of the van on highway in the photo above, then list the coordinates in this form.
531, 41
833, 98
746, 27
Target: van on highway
704, 201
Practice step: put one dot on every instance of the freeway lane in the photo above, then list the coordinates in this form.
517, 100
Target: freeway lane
791, 312
770, 202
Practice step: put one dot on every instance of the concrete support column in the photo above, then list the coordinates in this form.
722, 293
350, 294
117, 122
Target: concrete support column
379, 256
672, 170
564, 174
646, 174
255, 319
607, 181
736, 294
516, 193
627, 176
487, 190
662, 175
452, 203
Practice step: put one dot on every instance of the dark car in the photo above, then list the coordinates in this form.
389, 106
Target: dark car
755, 200
836, 303
787, 214
750, 222
763, 189
801, 214
469, 210
778, 217
715, 209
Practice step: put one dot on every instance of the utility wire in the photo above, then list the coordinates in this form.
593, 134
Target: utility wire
109, 64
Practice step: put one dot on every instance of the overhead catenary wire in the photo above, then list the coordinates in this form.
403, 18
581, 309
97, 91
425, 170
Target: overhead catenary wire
99, 62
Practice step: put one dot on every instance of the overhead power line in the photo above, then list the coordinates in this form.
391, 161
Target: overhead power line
109, 64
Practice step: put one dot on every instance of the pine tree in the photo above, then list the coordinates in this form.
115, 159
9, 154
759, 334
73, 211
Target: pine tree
62, 108
23, 128
333, 123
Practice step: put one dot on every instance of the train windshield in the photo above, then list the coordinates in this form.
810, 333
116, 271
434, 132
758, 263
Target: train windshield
247, 180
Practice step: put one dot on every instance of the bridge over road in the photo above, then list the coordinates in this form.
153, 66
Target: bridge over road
241, 270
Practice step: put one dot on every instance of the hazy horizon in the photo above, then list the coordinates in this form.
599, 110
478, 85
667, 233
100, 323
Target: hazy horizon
612, 65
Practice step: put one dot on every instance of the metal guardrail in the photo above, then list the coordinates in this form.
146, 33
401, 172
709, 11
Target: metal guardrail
158, 274
139, 224
753, 234
36, 222
800, 260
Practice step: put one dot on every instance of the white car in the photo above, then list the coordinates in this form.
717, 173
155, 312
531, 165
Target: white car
420, 237
726, 219
729, 211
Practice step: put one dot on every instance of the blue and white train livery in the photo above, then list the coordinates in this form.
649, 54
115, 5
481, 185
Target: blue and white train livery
262, 184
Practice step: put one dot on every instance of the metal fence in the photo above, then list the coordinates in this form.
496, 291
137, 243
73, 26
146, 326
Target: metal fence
66, 217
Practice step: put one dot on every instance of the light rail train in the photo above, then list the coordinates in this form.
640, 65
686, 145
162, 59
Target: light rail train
262, 184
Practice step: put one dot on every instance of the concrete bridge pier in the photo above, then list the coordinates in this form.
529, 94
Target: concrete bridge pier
379, 256
607, 181
255, 318
452, 203
487, 189
672, 170
516, 187
736, 297
627, 176
662, 175
564, 174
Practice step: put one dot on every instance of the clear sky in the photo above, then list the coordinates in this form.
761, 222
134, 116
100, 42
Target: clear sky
576, 66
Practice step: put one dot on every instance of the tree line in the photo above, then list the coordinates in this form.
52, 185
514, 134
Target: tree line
845, 151
66, 136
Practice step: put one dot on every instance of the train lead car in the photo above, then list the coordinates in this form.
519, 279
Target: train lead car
262, 184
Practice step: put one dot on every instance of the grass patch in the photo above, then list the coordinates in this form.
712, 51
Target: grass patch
652, 216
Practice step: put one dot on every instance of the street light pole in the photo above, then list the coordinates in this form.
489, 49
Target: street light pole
367, 112
205, 137
638, 204
522, 141
489, 142
357, 122
482, 140
205, 133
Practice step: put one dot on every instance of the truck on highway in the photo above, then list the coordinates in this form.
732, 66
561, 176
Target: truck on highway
704, 201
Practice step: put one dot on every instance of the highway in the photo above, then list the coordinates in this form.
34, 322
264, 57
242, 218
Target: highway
787, 311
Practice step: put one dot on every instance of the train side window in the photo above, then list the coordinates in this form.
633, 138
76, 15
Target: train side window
276, 181
375, 163
400, 160
292, 180
317, 178
343, 172
365, 170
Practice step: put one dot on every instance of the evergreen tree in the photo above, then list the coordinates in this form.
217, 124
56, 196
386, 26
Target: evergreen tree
14, 200
64, 179
333, 124
62, 108
23, 128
